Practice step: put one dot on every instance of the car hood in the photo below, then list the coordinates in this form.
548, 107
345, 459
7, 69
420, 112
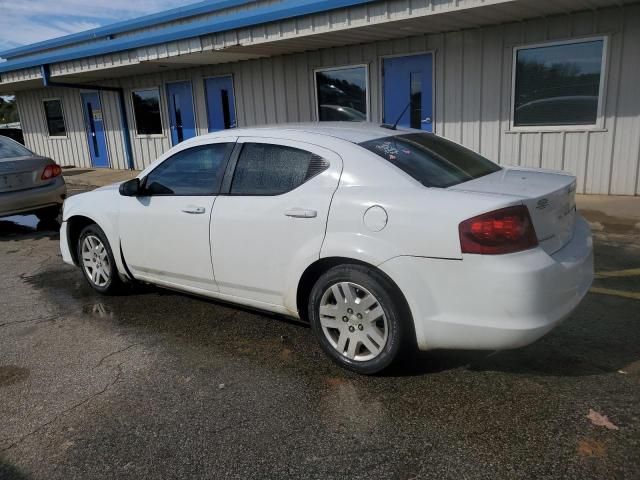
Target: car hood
113, 186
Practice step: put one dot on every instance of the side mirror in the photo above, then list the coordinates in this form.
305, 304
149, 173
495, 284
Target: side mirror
130, 188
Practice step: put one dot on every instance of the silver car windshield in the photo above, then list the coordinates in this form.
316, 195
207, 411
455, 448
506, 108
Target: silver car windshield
10, 149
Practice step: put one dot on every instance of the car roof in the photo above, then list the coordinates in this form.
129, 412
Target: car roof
355, 132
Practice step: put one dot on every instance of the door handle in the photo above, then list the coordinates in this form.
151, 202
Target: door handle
426, 120
301, 213
193, 209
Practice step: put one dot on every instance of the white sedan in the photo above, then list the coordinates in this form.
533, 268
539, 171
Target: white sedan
382, 239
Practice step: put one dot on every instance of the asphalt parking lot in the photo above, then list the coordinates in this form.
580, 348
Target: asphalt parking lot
156, 384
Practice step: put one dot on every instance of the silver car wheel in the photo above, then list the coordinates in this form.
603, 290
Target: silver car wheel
353, 321
95, 261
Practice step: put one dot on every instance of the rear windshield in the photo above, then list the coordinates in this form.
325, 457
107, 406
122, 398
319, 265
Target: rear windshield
432, 160
10, 149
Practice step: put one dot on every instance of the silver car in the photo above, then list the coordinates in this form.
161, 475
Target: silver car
29, 183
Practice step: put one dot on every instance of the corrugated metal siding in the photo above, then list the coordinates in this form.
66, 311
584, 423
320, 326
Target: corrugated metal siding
473, 71
69, 150
73, 148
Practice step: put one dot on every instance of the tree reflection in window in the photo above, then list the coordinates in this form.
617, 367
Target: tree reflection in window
558, 84
146, 107
342, 94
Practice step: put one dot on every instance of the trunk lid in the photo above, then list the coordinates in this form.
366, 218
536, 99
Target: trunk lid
549, 196
21, 173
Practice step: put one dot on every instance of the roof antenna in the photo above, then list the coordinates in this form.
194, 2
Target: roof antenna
395, 125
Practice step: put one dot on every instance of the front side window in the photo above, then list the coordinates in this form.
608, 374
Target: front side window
266, 169
55, 118
342, 94
146, 107
195, 171
431, 160
11, 149
558, 84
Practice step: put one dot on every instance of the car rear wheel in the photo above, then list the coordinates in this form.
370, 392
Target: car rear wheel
358, 317
96, 260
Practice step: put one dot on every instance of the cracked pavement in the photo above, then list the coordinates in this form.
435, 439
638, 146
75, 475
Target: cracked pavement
155, 384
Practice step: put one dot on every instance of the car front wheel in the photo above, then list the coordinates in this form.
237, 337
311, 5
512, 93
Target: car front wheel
96, 260
358, 317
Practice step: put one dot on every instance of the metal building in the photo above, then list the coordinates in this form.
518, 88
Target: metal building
541, 83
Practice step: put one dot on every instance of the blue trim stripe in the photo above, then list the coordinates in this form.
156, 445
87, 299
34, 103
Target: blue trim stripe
287, 9
125, 26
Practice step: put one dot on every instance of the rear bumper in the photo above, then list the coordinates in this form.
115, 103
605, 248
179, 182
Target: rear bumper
27, 201
494, 301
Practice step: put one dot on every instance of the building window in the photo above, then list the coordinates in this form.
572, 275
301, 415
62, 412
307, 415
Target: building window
558, 84
55, 118
341, 94
146, 107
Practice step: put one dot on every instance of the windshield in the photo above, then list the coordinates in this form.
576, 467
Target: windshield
432, 160
10, 149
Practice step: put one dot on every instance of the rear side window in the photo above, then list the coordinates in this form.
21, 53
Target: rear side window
266, 169
9, 149
432, 160
195, 171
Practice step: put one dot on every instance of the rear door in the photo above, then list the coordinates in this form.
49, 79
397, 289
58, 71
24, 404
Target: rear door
273, 216
165, 231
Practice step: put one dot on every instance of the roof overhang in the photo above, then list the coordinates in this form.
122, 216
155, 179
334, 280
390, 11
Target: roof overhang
360, 22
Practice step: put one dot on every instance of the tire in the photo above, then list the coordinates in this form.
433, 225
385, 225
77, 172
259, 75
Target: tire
361, 304
49, 214
97, 262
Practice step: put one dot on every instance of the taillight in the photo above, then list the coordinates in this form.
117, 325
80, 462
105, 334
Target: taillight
51, 171
506, 230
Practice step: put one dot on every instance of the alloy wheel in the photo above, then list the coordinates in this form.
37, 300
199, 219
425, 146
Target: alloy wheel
353, 321
95, 261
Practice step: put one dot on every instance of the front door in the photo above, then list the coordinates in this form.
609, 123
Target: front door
94, 125
164, 232
273, 218
408, 91
181, 117
221, 112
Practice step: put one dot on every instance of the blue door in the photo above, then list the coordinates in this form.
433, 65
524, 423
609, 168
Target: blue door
408, 88
182, 121
221, 112
95, 129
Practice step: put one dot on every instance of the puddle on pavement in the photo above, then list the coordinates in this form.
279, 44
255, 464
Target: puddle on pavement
10, 374
610, 224
99, 310
185, 319
201, 327
63, 285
